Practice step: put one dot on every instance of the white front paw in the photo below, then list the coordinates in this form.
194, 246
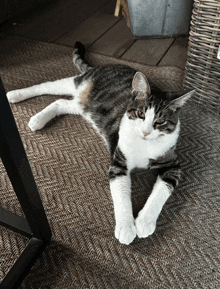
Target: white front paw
145, 225
125, 232
36, 122
14, 96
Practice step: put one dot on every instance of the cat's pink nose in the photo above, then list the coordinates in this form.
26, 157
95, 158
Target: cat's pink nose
145, 133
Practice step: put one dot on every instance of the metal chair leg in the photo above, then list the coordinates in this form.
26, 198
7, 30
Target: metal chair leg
35, 224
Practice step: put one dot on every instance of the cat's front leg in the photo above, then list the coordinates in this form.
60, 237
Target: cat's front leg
147, 217
163, 188
125, 230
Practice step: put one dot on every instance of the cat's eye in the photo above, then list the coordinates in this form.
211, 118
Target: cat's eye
141, 114
160, 121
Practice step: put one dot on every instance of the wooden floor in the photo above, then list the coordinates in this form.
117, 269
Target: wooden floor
93, 23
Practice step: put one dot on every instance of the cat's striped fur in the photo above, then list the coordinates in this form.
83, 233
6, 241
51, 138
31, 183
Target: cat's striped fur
140, 127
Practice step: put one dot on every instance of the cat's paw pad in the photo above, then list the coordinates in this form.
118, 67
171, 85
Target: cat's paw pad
125, 233
145, 225
36, 123
14, 96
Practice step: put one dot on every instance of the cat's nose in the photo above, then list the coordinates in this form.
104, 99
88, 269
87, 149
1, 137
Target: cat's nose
145, 133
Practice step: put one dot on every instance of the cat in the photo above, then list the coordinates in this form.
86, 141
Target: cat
140, 127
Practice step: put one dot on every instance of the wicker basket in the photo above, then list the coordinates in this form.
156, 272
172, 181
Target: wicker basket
203, 66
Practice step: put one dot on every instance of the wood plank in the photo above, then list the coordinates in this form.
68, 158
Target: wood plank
92, 28
115, 42
177, 54
27, 23
149, 51
15, 23
65, 16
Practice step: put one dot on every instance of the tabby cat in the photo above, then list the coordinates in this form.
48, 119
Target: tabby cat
140, 127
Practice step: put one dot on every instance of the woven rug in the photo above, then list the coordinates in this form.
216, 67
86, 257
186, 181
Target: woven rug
70, 165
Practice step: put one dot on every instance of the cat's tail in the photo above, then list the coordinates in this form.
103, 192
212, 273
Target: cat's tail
78, 57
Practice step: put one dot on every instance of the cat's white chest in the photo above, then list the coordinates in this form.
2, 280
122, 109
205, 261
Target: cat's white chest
138, 151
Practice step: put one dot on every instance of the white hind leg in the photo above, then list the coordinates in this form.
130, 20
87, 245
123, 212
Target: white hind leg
61, 106
63, 86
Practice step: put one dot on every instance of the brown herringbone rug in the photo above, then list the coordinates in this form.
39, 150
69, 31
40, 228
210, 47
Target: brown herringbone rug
70, 165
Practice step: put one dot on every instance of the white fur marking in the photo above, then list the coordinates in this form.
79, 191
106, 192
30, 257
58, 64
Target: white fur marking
59, 87
147, 217
125, 230
64, 86
147, 124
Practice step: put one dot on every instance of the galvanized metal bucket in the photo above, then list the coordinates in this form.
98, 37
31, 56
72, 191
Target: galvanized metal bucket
160, 18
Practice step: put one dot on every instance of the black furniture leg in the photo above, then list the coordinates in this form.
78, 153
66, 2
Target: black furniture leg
35, 224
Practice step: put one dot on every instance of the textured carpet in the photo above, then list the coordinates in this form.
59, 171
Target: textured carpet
70, 165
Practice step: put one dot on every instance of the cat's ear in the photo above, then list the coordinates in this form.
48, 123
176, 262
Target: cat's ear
178, 99
141, 84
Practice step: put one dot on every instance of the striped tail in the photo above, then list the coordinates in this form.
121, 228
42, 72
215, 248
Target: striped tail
78, 58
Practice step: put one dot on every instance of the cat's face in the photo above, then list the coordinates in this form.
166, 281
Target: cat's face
148, 124
153, 114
